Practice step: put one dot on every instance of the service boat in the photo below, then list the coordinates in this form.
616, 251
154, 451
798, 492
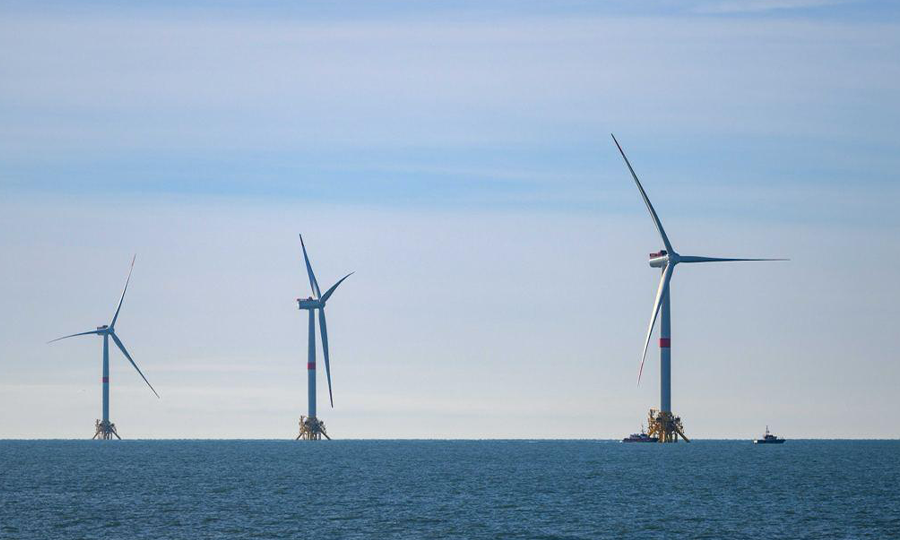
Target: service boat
768, 438
640, 437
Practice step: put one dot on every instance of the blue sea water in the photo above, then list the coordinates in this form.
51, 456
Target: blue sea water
448, 489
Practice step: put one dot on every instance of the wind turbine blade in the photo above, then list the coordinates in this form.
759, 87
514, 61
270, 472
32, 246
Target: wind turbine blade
324, 330
693, 259
128, 356
119, 307
330, 291
659, 227
660, 293
312, 277
73, 335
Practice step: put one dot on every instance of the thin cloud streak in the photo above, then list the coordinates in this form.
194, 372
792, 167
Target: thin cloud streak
762, 6
290, 84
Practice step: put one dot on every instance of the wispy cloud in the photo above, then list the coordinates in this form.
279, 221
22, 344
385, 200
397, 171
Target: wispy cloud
761, 6
138, 85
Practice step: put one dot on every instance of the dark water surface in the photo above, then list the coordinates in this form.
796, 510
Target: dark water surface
448, 489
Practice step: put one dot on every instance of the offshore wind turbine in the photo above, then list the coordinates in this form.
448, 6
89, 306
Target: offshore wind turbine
104, 429
665, 426
311, 428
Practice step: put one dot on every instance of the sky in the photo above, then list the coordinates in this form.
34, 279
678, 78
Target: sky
457, 157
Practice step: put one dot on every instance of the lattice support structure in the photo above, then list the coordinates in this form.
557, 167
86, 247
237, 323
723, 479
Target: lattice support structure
105, 430
665, 426
312, 429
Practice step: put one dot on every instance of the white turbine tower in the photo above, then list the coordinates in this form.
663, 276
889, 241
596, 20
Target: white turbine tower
311, 428
104, 429
663, 424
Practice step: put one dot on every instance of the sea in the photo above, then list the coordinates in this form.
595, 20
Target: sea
540, 489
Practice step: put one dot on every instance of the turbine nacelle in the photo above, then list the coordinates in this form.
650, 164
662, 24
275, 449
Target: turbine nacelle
662, 258
103, 328
310, 303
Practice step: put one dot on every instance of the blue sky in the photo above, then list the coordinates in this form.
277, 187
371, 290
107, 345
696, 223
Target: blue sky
458, 158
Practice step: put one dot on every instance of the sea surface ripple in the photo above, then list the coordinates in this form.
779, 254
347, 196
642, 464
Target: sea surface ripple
448, 489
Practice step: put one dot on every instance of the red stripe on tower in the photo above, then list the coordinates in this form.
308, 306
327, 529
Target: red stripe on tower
311, 365
105, 379
665, 342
